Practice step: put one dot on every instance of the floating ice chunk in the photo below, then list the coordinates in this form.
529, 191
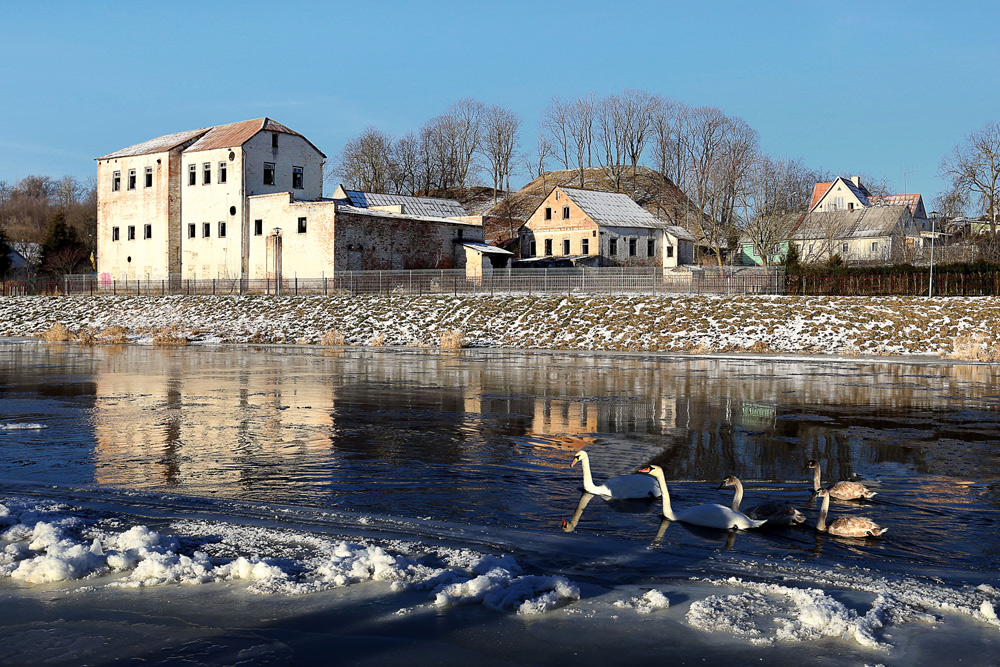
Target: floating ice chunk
21, 427
164, 568
647, 603
500, 590
137, 537
988, 613
62, 560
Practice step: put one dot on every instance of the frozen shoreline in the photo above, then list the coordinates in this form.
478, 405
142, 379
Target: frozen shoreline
848, 326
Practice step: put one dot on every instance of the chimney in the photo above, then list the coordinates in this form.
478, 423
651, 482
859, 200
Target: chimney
856, 180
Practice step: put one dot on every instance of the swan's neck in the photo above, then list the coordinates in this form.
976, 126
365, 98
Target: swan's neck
821, 522
588, 480
665, 494
738, 498
584, 499
816, 478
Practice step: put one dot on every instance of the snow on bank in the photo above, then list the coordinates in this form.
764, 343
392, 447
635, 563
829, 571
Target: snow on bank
845, 325
45, 543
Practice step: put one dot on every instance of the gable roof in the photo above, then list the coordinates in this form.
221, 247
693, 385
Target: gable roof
426, 207
207, 138
158, 145
612, 209
910, 201
869, 222
820, 190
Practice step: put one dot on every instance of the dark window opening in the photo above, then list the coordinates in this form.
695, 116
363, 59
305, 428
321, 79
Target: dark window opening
114, 233
632, 251
131, 232
222, 172
584, 246
670, 251
297, 178
565, 246
613, 247
147, 231
206, 173
258, 227
206, 229
116, 181
548, 247
565, 212
192, 230
274, 140
131, 179
302, 225
149, 177
548, 213
269, 173
531, 249
651, 247
192, 174
222, 230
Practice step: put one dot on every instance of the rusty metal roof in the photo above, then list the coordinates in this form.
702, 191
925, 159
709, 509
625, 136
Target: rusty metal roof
157, 145
237, 134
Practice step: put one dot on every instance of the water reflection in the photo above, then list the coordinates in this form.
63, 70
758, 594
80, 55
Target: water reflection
488, 435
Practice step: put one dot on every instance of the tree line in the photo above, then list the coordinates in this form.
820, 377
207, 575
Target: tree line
51, 223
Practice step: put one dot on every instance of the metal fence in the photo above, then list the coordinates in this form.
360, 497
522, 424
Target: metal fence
617, 280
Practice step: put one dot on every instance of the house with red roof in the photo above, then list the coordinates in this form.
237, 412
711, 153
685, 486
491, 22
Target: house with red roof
850, 194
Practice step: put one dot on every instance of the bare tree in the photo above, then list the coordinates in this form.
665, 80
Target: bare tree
555, 123
500, 136
974, 169
467, 134
776, 195
366, 161
581, 130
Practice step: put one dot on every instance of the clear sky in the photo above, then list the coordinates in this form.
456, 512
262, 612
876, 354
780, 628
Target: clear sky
873, 87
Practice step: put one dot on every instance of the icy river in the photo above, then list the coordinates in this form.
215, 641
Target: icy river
401, 506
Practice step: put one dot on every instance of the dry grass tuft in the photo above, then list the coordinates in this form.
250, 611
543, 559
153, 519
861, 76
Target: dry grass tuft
974, 346
57, 333
169, 337
451, 339
113, 336
333, 337
760, 347
378, 340
86, 336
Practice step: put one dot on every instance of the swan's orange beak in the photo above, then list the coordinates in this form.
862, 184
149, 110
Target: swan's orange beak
565, 522
574, 462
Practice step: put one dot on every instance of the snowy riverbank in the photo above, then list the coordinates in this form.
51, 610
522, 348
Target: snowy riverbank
820, 325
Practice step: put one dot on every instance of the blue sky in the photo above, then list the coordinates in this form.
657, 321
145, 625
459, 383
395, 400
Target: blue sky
875, 87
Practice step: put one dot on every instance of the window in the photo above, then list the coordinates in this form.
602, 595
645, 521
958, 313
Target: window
632, 248
147, 231
875, 246
531, 249
192, 230
274, 140
613, 247
548, 247
258, 227
585, 247
811, 246
548, 213
149, 177
670, 251
222, 230
565, 212
268, 173
131, 232
838, 203
131, 179
850, 206
206, 229
192, 174
565, 246
650, 247
114, 234
297, 178
222, 172
116, 181
302, 225
845, 247
206, 173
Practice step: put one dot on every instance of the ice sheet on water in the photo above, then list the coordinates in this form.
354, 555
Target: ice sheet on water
646, 603
21, 427
48, 544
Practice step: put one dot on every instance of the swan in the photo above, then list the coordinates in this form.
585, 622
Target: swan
712, 516
776, 514
841, 490
848, 526
570, 526
623, 486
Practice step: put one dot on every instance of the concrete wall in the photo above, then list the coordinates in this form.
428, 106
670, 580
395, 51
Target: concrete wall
157, 205
308, 254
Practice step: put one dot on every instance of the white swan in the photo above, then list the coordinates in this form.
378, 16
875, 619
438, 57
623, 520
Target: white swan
840, 490
847, 526
776, 514
623, 486
713, 516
